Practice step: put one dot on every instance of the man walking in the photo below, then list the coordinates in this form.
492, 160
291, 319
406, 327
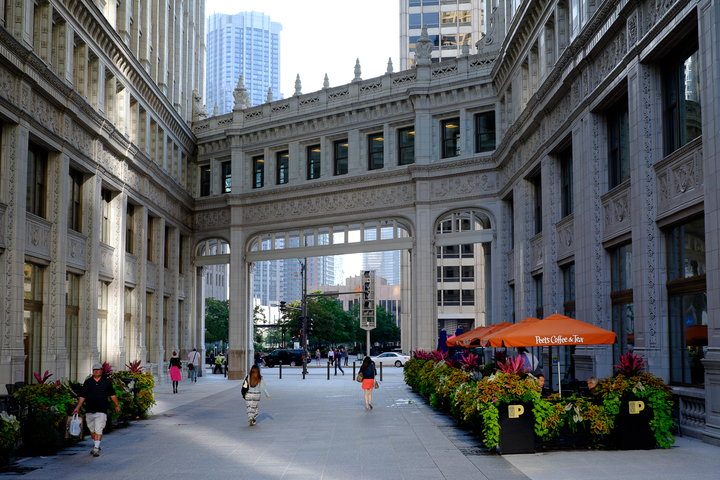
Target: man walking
338, 361
94, 394
194, 364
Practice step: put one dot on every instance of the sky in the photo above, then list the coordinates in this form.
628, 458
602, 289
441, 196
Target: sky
327, 36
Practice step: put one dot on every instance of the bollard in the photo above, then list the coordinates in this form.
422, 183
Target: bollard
381, 371
328, 365
354, 374
280, 365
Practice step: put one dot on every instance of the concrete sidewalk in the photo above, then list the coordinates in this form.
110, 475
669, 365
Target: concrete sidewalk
319, 429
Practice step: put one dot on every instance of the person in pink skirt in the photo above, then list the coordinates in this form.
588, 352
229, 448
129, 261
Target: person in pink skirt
368, 370
174, 371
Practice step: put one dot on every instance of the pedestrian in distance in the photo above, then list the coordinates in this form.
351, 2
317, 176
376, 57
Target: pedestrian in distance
338, 361
94, 394
194, 364
345, 355
368, 371
258, 360
317, 357
252, 396
331, 356
174, 371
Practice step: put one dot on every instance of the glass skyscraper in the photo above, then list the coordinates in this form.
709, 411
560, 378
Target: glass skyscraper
247, 44
450, 23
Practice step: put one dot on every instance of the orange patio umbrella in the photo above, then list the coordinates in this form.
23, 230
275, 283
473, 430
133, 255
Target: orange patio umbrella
557, 330
495, 339
472, 337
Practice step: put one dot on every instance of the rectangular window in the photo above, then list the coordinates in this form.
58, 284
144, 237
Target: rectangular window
568, 274
36, 166
468, 297
619, 146
511, 222
539, 312
406, 146
567, 194
204, 180
129, 228
105, 216
341, 157
258, 171
687, 302
375, 151
32, 319
621, 297
681, 115
166, 255
537, 187
75, 180
485, 132
150, 238
283, 165
72, 310
313, 162
226, 169
450, 137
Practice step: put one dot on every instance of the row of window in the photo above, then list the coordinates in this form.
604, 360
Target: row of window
36, 197
450, 129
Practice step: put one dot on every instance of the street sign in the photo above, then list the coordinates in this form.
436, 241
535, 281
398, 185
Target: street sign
367, 300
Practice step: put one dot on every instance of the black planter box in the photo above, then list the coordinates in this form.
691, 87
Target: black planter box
517, 435
632, 430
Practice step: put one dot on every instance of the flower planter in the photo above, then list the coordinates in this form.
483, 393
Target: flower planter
632, 424
517, 428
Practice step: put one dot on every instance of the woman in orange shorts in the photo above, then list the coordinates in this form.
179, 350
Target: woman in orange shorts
368, 370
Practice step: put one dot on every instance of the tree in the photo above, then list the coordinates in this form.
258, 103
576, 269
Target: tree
217, 314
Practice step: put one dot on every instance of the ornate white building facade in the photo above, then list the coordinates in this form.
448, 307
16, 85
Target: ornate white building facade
577, 148
96, 100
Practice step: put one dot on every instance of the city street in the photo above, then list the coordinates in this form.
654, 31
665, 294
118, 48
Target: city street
319, 429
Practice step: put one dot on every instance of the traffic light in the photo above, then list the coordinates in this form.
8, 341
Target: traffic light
300, 321
300, 332
309, 327
282, 306
367, 303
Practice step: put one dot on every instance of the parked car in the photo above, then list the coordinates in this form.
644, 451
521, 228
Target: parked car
286, 357
391, 358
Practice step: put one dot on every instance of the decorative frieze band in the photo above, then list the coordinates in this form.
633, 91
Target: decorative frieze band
37, 237
616, 211
76, 249
680, 178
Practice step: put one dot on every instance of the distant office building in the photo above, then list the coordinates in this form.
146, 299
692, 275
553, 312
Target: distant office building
449, 23
385, 264
246, 44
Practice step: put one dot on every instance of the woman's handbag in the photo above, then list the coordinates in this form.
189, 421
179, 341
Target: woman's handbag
377, 384
75, 428
359, 377
245, 387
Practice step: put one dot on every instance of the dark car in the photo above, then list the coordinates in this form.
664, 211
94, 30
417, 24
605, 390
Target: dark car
286, 357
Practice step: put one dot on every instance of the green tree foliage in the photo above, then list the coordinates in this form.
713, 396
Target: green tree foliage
217, 315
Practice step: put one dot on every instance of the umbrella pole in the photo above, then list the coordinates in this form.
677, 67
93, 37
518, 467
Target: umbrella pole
559, 379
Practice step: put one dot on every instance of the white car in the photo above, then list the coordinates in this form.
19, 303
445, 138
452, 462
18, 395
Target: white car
390, 358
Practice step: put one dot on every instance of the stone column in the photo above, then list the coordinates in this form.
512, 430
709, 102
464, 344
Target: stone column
424, 329
709, 27
405, 300
199, 305
54, 353
87, 318
241, 319
14, 176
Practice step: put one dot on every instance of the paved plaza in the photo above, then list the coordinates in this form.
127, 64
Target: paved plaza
319, 429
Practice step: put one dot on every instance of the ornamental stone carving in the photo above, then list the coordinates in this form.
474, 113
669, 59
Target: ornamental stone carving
337, 203
423, 48
469, 185
216, 218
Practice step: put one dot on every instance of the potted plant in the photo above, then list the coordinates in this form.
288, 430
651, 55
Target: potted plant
48, 405
641, 404
9, 436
